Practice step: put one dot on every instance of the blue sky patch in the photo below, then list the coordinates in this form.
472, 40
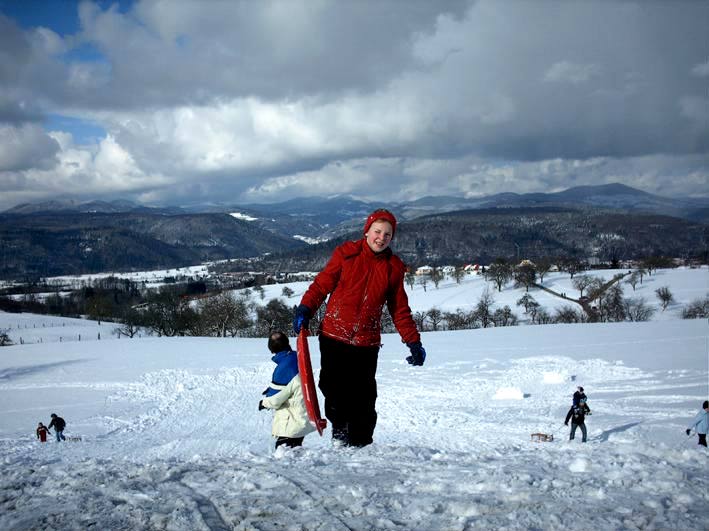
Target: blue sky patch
83, 131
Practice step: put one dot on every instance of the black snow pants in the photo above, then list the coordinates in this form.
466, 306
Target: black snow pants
348, 383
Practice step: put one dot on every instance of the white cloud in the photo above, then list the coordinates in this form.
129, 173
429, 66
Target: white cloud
26, 146
252, 100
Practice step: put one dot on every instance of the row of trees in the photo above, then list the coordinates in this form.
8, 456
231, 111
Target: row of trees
187, 309
166, 313
612, 307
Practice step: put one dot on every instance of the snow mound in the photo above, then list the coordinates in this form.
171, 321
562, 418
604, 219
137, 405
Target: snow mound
508, 393
553, 378
580, 465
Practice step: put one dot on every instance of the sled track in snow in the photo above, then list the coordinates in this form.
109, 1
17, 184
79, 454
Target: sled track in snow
209, 512
309, 488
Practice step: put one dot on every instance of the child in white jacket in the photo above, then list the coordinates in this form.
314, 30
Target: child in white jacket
701, 423
285, 395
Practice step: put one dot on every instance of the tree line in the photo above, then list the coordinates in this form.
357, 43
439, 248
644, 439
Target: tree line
191, 309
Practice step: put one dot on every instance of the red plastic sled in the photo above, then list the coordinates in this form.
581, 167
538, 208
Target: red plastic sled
307, 382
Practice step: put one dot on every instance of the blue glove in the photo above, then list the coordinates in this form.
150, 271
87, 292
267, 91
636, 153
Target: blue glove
418, 354
301, 319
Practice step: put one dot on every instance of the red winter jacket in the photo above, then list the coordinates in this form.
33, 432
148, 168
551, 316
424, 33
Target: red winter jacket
360, 282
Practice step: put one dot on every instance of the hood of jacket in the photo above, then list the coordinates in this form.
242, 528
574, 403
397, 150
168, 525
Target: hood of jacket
286, 369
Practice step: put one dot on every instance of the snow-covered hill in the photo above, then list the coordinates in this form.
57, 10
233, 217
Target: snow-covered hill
172, 438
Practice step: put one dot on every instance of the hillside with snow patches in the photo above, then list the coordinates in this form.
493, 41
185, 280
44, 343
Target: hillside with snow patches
171, 437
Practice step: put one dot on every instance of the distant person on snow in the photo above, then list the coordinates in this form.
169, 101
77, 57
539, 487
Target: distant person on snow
359, 279
578, 395
701, 423
290, 420
577, 414
42, 432
58, 424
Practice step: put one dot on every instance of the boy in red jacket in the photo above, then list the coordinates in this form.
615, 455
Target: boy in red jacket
360, 278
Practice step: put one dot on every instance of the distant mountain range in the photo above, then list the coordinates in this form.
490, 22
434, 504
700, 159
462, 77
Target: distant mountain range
61, 237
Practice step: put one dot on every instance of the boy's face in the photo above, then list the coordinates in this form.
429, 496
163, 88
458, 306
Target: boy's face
379, 235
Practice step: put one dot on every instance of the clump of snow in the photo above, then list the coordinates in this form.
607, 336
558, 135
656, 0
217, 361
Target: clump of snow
553, 378
580, 464
508, 393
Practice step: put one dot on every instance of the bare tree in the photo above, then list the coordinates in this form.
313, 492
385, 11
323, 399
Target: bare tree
224, 315
636, 309
5, 340
541, 316
459, 320
527, 301
697, 309
410, 279
535, 311
665, 296
274, 316
261, 292
168, 314
571, 266
542, 266
633, 279
420, 320
611, 305
499, 272
525, 275
287, 292
458, 274
130, 322
598, 288
582, 282
641, 271
567, 314
653, 263
423, 280
435, 317
483, 309
504, 317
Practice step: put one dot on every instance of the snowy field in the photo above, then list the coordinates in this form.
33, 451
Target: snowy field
686, 285
172, 438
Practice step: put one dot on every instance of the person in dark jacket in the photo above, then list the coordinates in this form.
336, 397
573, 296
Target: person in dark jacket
42, 432
58, 424
577, 414
360, 278
578, 395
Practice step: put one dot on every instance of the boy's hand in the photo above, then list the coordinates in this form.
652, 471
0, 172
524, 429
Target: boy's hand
688, 431
301, 319
260, 405
418, 354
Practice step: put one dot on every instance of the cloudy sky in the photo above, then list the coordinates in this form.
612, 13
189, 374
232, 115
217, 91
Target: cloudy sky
181, 102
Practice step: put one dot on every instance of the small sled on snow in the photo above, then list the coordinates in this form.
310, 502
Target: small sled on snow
307, 383
542, 437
